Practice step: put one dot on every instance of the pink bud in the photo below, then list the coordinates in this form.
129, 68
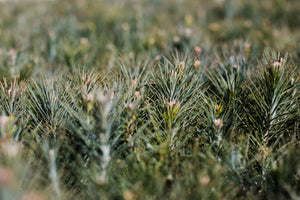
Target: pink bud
218, 123
197, 64
198, 50
276, 64
172, 103
6, 176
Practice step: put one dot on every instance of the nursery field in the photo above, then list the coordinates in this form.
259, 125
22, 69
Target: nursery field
149, 99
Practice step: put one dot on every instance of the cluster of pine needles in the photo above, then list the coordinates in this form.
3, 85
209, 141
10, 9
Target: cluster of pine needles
189, 123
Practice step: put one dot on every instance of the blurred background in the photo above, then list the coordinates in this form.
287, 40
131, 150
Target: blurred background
38, 37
